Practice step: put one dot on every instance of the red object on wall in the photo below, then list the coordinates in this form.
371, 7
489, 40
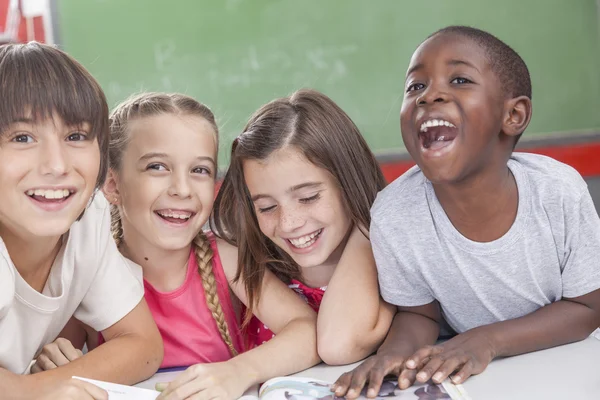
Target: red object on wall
584, 157
26, 29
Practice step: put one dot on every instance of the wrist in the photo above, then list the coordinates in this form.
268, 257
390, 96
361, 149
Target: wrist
401, 347
494, 339
246, 372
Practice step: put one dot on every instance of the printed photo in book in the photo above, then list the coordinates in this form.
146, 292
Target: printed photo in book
296, 388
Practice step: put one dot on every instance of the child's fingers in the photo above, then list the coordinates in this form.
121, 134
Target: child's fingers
377, 374
421, 356
429, 369
94, 391
192, 374
448, 367
407, 378
465, 372
44, 363
350, 382
167, 387
53, 353
192, 389
67, 348
340, 387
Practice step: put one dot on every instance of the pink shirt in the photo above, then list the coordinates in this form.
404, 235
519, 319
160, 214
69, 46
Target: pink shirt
258, 333
189, 331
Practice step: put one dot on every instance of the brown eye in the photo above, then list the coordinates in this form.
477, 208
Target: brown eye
76, 137
460, 81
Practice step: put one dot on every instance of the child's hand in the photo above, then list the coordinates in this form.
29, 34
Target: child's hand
373, 370
55, 354
75, 389
216, 381
468, 353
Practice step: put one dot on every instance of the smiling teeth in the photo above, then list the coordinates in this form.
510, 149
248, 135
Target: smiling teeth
305, 241
49, 194
435, 122
179, 215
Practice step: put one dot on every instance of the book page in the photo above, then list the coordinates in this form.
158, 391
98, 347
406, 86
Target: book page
123, 392
297, 388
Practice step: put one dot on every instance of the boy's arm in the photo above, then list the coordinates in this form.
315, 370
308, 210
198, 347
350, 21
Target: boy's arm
412, 328
353, 319
132, 352
469, 353
570, 319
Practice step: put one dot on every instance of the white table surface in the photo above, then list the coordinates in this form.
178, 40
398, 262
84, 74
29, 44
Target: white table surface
569, 372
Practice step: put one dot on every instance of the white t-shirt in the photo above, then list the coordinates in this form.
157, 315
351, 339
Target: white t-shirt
550, 252
89, 279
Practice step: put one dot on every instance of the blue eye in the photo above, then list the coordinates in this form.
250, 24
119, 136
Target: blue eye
415, 86
460, 80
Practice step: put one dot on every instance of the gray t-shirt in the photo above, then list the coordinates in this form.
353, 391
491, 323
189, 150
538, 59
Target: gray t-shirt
551, 251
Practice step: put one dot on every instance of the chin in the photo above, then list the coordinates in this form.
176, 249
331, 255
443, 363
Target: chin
173, 245
311, 262
50, 228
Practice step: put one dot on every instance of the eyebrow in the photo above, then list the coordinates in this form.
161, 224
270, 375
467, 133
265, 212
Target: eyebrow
452, 62
290, 190
164, 155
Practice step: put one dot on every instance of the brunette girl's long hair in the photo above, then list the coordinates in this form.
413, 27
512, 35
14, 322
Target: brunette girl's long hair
313, 124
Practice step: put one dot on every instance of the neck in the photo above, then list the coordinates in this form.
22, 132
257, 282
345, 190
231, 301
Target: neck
316, 277
164, 269
33, 266
482, 208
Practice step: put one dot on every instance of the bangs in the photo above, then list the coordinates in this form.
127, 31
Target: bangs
39, 82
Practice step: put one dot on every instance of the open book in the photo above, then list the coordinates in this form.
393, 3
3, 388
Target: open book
296, 388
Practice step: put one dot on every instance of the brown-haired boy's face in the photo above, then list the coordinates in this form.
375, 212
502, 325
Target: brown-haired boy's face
48, 171
452, 111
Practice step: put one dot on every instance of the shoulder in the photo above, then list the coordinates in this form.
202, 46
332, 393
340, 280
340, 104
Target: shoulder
7, 280
402, 199
228, 255
549, 177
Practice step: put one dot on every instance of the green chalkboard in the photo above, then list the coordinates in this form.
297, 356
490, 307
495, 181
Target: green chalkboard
235, 55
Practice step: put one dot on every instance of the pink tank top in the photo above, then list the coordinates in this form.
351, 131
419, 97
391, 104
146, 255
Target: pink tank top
258, 333
190, 334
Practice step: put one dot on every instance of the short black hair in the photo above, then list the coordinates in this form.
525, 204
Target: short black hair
505, 62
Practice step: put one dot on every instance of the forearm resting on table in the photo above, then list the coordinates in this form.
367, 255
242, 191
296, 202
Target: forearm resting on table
559, 323
126, 359
409, 332
291, 350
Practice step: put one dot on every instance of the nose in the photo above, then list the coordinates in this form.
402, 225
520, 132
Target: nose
432, 94
54, 159
290, 219
180, 186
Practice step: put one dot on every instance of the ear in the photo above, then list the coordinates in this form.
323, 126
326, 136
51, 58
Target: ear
517, 114
111, 188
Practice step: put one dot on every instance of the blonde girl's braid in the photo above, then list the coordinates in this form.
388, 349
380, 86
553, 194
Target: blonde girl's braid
116, 226
204, 255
